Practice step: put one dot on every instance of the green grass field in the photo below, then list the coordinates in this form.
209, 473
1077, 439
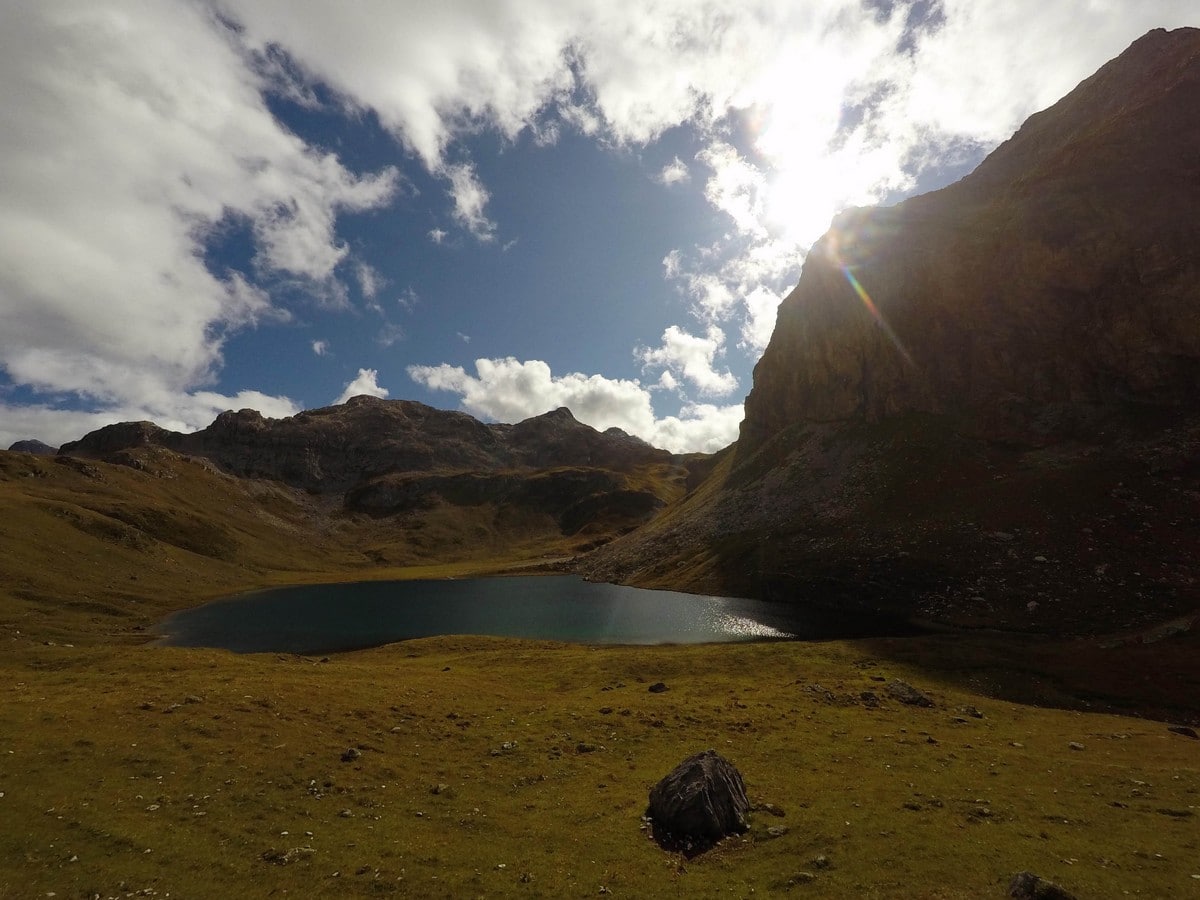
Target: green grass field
489, 767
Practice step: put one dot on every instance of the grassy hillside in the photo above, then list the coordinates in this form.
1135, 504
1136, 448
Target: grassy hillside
489, 767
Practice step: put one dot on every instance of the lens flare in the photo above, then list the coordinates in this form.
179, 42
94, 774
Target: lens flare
856, 285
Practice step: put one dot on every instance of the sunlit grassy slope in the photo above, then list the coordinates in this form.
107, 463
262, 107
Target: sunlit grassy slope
489, 767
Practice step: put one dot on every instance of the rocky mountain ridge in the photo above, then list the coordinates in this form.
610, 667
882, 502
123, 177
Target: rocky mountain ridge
1045, 293
335, 448
399, 458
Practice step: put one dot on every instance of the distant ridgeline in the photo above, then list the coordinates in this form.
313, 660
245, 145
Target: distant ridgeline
393, 456
37, 448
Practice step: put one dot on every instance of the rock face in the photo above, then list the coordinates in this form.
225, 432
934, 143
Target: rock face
982, 406
702, 800
396, 457
338, 447
1042, 295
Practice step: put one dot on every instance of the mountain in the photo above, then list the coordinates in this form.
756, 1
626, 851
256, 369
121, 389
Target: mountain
410, 462
982, 405
37, 448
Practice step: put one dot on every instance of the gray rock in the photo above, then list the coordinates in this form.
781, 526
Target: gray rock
1027, 886
351, 754
1183, 730
657, 688
906, 693
287, 857
700, 801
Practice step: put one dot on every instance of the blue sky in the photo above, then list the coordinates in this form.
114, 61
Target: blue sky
503, 206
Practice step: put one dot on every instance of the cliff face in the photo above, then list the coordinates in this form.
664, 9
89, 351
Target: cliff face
1050, 289
982, 405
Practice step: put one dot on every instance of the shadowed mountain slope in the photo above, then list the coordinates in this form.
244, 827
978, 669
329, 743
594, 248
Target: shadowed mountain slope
981, 405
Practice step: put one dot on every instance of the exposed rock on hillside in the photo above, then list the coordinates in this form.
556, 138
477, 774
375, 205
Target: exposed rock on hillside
983, 405
1040, 296
337, 447
391, 457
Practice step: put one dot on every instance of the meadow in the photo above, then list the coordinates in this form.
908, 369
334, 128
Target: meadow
474, 766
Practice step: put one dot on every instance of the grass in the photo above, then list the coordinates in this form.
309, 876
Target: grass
191, 772
492, 767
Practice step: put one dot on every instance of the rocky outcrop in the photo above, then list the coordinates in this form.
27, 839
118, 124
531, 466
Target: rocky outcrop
982, 406
1027, 886
336, 448
576, 498
1048, 293
397, 457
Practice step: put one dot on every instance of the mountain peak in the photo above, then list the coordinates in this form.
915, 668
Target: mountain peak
1050, 288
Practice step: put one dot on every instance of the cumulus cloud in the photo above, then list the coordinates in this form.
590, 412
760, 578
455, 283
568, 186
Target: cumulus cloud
508, 390
186, 413
128, 132
320, 348
366, 382
674, 172
691, 357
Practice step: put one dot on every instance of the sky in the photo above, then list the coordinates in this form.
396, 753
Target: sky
499, 206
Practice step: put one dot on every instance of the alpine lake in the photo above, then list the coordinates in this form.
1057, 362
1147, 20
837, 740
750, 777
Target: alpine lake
327, 618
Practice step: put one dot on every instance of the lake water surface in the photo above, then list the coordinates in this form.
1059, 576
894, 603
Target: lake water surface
331, 617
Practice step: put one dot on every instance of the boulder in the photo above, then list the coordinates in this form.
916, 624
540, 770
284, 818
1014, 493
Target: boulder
1027, 886
702, 800
906, 693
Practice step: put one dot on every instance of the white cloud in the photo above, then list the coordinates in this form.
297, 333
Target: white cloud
508, 390
691, 357
736, 187
190, 412
408, 299
128, 131
389, 334
320, 348
366, 382
761, 306
470, 200
674, 172
369, 280
699, 428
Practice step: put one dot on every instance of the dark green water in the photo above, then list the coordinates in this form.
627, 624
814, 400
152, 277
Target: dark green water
328, 618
